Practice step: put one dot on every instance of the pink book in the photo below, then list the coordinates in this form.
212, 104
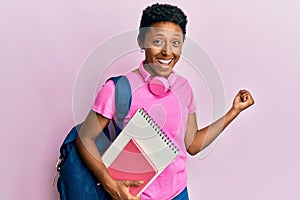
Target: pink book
133, 164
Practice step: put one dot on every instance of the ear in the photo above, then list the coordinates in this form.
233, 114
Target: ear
140, 42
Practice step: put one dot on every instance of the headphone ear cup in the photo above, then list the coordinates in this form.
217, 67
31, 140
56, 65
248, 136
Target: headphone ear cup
158, 86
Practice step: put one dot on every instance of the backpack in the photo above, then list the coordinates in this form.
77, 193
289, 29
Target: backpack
75, 181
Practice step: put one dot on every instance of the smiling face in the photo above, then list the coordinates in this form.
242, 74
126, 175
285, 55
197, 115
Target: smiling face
163, 44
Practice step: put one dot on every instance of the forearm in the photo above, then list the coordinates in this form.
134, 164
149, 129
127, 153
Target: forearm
90, 155
208, 134
87, 148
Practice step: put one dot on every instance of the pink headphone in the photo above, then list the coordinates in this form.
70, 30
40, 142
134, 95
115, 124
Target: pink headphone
159, 86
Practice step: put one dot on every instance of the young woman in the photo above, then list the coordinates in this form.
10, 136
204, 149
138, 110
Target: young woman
161, 37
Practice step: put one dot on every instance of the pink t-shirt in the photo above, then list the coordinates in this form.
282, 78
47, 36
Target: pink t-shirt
170, 112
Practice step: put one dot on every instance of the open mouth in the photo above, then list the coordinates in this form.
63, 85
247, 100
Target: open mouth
164, 63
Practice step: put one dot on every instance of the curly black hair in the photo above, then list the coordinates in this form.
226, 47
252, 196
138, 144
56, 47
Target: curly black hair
162, 13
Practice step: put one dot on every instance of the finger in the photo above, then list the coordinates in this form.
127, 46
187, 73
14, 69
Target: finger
243, 91
240, 93
137, 198
244, 97
134, 183
250, 99
132, 197
248, 96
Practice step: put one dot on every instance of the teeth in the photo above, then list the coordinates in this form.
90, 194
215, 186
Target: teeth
164, 61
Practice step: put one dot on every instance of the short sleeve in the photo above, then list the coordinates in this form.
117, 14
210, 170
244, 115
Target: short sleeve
104, 103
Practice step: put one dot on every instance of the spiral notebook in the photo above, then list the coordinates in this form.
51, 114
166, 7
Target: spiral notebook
141, 152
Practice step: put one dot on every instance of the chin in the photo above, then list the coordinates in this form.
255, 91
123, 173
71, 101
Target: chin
164, 74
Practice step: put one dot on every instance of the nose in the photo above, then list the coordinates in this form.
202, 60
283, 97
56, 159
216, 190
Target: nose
166, 50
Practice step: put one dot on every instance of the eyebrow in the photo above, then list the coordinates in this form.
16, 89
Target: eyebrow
179, 35
160, 34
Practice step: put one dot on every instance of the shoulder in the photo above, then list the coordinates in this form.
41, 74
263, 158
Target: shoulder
109, 85
179, 81
135, 79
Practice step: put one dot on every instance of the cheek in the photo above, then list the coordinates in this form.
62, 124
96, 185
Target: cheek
152, 52
177, 51
176, 60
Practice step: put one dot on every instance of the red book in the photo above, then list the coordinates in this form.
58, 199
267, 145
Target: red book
133, 164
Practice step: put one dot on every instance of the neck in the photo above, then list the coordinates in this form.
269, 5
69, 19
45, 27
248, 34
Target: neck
148, 68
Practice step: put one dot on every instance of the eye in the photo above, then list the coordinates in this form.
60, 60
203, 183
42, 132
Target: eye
176, 43
157, 42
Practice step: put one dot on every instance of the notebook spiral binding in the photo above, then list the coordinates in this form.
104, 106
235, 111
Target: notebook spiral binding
159, 131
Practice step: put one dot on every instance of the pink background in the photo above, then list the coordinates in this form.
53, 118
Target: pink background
255, 45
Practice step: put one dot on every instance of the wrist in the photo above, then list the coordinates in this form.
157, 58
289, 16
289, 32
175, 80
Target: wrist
104, 177
109, 184
234, 112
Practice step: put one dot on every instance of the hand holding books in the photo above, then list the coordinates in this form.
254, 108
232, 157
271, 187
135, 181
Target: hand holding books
140, 152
